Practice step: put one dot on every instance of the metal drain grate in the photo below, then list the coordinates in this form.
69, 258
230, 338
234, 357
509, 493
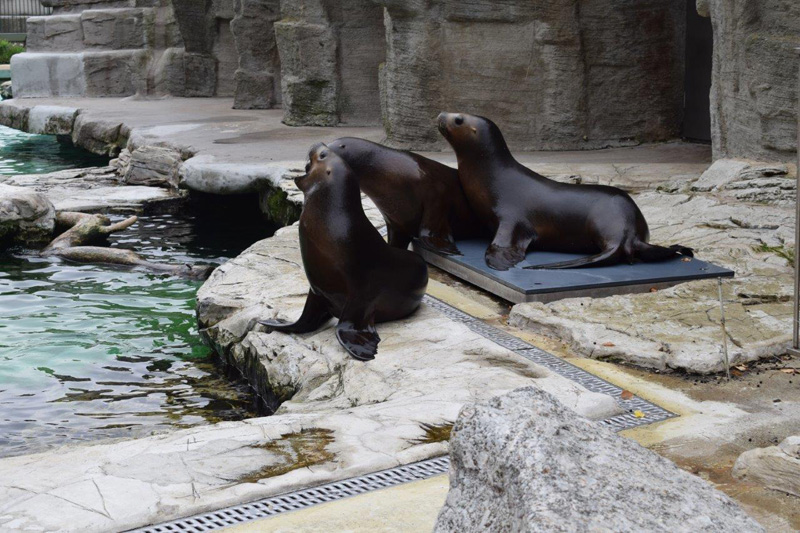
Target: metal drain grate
652, 413
424, 469
304, 498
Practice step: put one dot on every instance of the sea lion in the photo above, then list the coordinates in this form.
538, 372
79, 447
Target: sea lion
418, 197
354, 274
526, 209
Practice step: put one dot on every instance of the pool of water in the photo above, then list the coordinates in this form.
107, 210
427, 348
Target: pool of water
90, 352
21, 153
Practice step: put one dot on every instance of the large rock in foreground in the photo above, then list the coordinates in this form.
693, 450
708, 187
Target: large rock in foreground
26, 217
524, 462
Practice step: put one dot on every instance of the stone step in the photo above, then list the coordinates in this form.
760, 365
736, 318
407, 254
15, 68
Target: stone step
76, 6
97, 73
103, 29
118, 29
62, 33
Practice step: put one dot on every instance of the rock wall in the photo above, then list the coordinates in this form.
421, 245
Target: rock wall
330, 54
754, 85
553, 74
126, 47
258, 81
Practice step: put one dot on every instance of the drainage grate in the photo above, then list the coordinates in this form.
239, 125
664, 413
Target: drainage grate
652, 413
424, 469
304, 498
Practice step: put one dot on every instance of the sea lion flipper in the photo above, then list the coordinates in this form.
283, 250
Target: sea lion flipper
609, 256
395, 237
360, 342
315, 314
509, 246
435, 232
439, 244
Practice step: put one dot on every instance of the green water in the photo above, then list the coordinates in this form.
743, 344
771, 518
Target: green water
21, 153
90, 352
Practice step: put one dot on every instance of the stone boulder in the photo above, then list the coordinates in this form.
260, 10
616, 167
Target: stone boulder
26, 217
776, 467
524, 462
153, 166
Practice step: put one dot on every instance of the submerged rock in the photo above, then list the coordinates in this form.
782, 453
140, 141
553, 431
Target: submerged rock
523, 462
6, 90
26, 217
776, 467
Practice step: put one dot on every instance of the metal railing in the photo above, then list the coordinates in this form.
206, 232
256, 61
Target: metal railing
14, 14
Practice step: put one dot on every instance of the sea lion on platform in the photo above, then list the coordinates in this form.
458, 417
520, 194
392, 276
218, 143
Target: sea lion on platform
525, 209
418, 197
354, 274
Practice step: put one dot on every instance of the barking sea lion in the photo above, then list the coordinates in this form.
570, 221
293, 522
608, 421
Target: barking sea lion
354, 275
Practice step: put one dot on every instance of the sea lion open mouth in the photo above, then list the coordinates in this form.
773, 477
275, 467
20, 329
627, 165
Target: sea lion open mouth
353, 273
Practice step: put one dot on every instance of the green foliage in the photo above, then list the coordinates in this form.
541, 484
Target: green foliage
7, 50
780, 251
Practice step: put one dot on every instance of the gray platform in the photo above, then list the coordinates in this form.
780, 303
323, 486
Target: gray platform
518, 285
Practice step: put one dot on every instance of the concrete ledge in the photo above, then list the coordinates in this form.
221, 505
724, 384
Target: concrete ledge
214, 165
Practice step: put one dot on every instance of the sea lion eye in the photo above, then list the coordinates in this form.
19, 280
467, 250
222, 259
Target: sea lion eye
322, 155
459, 120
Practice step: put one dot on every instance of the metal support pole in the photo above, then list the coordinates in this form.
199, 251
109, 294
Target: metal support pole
795, 350
724, 331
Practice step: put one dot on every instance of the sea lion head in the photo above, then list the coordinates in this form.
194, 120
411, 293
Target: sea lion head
471, 134
322, 168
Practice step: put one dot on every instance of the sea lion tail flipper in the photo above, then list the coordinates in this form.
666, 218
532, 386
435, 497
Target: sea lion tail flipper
651, 253
609, 256
315, 314
360, 342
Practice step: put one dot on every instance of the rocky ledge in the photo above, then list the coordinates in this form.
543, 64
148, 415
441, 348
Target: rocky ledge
679, 328
144, 157
96, 190
427, 363
336, 417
